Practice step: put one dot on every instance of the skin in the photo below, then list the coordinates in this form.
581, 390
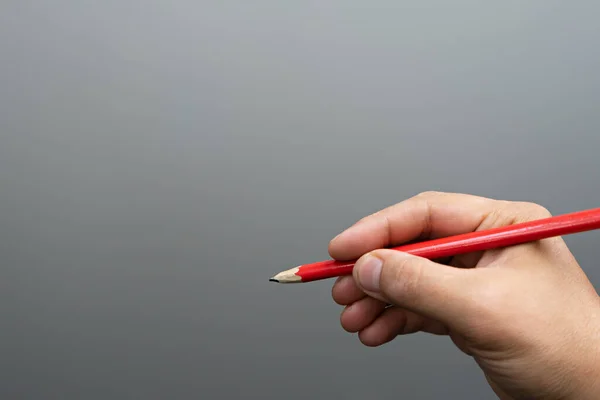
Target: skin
527, 314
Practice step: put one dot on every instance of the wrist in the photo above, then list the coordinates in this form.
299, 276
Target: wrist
586, 382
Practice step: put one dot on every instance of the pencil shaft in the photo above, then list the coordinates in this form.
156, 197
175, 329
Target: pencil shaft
471, 242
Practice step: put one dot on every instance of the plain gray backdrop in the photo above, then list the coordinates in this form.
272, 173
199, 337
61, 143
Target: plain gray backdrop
160, 160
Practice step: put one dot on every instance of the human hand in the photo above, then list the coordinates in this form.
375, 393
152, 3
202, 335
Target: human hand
527, 314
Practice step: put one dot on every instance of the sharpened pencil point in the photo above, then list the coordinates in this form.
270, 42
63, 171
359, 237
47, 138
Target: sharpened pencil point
288, 276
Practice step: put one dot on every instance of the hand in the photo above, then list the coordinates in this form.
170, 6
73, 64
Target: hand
527, 314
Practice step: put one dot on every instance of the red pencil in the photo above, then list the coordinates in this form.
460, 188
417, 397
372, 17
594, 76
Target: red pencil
511, 235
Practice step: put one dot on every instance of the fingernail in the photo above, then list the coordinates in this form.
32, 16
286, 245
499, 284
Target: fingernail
369, 270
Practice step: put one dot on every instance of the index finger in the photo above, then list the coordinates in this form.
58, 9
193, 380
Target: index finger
428, 215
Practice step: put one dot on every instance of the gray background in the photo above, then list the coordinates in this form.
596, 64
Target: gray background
159, 161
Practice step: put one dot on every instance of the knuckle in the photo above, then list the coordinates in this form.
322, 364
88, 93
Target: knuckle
534, 210
540, 210
504, 204
497, 217
512, 212
429, 194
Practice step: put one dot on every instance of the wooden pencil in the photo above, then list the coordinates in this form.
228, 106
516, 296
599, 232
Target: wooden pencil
511, 235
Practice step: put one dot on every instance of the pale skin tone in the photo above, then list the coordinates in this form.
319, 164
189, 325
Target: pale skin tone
527, 314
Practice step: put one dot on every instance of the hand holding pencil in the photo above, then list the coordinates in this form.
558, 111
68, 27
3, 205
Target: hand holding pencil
527, 312
489, 239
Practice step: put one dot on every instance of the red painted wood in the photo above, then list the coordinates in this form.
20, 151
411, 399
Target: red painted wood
511, 235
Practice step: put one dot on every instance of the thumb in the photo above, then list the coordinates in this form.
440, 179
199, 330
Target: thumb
417, 284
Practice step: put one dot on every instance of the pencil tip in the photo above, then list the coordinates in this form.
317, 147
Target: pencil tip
273, 280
